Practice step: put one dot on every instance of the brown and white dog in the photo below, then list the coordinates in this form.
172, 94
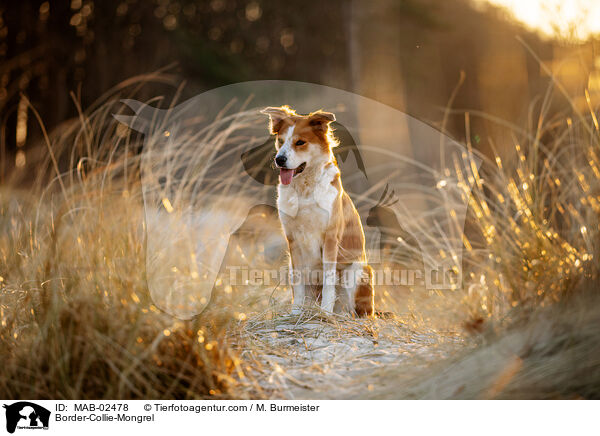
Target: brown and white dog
320, 222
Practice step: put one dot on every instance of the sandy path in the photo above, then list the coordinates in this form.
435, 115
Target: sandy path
333, 357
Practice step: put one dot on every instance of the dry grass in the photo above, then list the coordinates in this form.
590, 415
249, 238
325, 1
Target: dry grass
78, 320
532, 274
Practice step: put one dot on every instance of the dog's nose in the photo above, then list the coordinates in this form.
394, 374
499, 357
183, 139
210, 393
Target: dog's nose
280, 161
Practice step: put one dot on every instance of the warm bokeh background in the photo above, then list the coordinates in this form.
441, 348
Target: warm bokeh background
520, 76
410, 54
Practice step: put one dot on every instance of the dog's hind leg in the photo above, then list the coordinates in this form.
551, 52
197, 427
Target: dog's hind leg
350, 277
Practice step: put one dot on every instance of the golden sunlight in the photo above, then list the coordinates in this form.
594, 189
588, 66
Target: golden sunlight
570, 19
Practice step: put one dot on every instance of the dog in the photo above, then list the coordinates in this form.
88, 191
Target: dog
322, 227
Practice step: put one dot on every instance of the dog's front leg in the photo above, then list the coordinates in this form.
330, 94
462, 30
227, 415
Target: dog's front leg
298, 290
299, 294
330, 249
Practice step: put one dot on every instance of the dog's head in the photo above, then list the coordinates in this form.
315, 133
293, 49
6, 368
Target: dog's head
302, 141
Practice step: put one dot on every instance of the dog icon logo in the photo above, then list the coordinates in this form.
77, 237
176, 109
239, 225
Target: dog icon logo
207, 167
26, 415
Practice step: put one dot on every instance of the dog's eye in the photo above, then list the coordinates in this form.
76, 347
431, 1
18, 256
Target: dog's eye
300, 142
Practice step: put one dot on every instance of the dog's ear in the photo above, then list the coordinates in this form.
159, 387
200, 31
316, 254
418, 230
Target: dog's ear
276, 117
320, 120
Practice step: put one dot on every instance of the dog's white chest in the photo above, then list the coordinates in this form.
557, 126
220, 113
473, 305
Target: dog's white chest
305, 211
301, 212
310, 200
306, 228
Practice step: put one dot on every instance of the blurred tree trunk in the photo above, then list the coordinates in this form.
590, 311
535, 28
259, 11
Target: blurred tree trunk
375, 42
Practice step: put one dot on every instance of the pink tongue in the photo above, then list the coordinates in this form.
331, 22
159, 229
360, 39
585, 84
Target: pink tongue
286, 176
